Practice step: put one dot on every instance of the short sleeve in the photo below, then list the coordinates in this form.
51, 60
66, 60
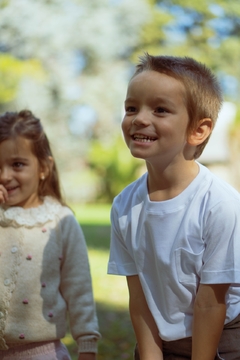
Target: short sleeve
221, 259
121, 260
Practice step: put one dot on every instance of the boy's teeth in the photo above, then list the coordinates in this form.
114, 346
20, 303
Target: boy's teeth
143, 138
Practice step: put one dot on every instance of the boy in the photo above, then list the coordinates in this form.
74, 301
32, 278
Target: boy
176, 230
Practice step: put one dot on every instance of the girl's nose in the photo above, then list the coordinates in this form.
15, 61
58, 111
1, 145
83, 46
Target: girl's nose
5, 175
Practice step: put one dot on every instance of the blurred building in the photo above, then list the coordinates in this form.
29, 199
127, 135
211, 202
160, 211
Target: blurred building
217, 154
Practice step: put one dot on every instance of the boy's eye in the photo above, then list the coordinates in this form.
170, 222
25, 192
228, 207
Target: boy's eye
160, 110
130, 109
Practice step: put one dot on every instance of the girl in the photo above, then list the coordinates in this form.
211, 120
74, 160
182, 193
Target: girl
44, 269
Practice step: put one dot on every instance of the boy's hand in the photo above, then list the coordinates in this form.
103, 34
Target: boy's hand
208, 320
3, 194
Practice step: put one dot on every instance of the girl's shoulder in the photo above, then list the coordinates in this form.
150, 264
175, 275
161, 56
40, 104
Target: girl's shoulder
47, 211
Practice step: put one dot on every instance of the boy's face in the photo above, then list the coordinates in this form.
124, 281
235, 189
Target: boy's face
156, 119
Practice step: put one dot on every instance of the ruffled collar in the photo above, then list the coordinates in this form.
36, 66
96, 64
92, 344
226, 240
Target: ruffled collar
18, 216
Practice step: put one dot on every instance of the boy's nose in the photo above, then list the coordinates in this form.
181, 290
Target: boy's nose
141, 119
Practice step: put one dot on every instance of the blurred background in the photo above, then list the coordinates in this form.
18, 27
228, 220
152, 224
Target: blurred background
69, 61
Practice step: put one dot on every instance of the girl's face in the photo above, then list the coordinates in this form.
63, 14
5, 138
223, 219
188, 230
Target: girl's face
20, 173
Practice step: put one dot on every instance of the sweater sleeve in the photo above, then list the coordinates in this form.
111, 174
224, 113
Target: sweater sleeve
76, 286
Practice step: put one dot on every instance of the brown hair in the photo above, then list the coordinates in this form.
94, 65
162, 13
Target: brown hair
203, 96
25, 124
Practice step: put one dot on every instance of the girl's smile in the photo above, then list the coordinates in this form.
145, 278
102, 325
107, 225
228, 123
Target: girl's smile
11, 190
19, 173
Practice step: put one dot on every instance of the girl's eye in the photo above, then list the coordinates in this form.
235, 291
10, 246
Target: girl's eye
17, 165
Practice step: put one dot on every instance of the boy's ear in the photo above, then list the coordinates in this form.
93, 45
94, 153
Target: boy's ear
200, 133
46, 168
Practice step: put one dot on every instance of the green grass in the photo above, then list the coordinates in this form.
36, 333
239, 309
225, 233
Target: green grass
110, 291
92, 214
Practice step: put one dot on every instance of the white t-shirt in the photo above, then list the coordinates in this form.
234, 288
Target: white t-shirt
176, 244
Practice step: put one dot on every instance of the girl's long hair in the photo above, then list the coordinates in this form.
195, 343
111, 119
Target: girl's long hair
26, 125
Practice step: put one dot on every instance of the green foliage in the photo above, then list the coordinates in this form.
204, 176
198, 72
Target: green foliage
12, 70
152, 35
114, 166
238, 117
118, 340
89, 214
206, 30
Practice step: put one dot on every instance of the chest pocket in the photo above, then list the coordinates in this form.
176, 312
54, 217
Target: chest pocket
188, 266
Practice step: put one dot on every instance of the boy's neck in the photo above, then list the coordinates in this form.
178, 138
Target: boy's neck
169, 183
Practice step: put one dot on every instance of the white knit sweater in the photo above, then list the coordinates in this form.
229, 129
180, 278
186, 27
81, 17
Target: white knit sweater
44, 275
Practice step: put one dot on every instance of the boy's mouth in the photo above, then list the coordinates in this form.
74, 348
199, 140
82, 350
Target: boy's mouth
143, 138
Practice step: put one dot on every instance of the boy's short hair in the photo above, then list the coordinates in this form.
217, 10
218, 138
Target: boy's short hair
203, 92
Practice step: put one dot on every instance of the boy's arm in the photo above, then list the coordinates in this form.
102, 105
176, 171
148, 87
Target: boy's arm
208, 320
149, 342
